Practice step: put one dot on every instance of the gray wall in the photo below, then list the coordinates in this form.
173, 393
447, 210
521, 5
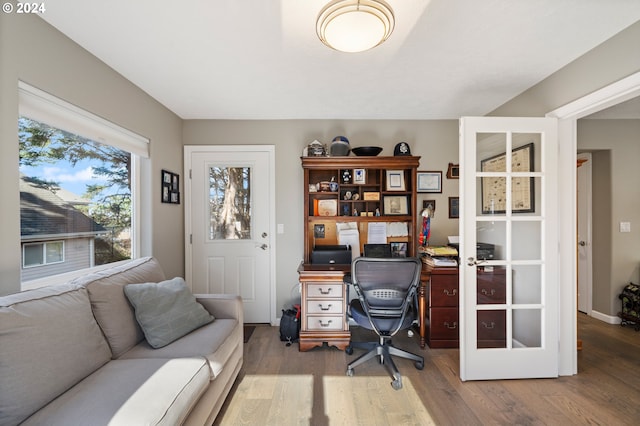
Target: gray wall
435, 141
33, 51
616, 258
616, 198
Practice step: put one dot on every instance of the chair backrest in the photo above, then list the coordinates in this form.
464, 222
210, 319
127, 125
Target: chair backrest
386, 286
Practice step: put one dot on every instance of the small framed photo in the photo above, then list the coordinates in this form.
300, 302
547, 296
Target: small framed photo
399, 249
454, 207
359, 176
396, 205
429, 182
453, 172
429, 204
395, 180
170, 185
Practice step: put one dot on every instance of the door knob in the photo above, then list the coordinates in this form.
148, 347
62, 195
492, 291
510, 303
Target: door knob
264, 247
471, 261
264, 235
582, 243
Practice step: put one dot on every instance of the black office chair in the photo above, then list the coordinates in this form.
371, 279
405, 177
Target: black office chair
386, 290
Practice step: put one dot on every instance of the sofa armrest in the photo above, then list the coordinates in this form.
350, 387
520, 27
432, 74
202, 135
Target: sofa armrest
222, 305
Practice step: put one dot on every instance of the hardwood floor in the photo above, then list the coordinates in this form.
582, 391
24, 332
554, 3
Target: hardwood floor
281, 386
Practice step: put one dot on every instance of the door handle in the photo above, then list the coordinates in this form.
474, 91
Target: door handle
582, 243
263, 246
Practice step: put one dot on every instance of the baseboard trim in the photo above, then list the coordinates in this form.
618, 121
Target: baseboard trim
606, 318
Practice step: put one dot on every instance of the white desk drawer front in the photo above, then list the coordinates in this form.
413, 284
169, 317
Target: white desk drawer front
315, 323
324, 306
324, 290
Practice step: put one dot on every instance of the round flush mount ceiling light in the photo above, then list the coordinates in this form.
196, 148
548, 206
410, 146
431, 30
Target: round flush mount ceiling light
355, 25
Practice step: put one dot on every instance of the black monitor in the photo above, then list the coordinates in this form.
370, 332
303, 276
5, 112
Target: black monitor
377, 250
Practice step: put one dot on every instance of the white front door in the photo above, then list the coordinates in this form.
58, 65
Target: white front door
509, 303
229, 226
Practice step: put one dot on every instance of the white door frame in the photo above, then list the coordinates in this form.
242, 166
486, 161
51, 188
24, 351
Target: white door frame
568, 115
188, 150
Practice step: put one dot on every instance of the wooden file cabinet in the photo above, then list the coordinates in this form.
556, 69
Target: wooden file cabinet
442, 323
323, 307
491, 325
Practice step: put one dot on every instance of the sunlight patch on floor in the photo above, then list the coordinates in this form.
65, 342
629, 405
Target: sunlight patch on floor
347, 398
289, 400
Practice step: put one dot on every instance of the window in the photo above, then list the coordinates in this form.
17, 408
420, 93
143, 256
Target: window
36, 254
79, 176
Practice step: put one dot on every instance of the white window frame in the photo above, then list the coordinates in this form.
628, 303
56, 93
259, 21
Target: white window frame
44, 254
41, 106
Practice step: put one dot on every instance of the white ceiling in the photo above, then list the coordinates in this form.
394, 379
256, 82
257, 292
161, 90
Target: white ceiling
261, 59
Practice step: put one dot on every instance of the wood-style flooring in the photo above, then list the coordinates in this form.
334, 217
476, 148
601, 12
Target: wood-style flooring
279, 385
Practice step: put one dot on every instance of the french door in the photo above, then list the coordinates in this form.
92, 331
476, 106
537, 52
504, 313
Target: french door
509, 302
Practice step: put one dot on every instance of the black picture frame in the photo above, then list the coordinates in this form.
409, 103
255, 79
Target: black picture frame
170, 185
454, 207
493, 188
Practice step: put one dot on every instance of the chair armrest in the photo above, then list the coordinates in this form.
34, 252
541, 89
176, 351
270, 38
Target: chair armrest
222, 305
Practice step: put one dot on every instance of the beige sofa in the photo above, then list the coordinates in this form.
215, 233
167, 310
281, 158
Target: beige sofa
74, 354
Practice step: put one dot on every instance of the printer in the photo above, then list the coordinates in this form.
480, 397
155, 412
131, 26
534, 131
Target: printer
484, 251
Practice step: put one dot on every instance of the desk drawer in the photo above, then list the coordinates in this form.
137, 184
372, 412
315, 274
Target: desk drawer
324, 323
324, 290
444, 292
324, 307
444, 324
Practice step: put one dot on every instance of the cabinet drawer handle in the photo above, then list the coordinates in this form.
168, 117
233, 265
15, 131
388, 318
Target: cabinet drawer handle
450, 293
489, 326
451, 326
324, 291
488, 293
327, 324
322, 308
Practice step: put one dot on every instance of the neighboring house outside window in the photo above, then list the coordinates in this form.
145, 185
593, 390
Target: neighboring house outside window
55, 236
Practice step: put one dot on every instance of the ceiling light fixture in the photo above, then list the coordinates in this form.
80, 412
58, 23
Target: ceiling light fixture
355, 25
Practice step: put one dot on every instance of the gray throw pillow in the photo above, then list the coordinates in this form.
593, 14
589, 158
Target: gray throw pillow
166, 310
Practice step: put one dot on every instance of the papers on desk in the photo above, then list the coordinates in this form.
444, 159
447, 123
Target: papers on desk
440, 262
441, 251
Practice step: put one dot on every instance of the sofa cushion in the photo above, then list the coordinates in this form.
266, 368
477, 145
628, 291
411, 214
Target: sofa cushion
166, 310
110, 306
216, 341
49, 342
130, 392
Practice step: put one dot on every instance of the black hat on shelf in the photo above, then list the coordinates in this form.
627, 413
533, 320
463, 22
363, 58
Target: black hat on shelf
402, 148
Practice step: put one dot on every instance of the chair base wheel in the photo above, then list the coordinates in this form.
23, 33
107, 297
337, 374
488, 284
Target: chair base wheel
349, 350
349, 372
419, 365
397, 384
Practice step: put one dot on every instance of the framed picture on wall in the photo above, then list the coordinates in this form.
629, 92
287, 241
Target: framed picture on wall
170, 187
494, 189
429, 182
454, 207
